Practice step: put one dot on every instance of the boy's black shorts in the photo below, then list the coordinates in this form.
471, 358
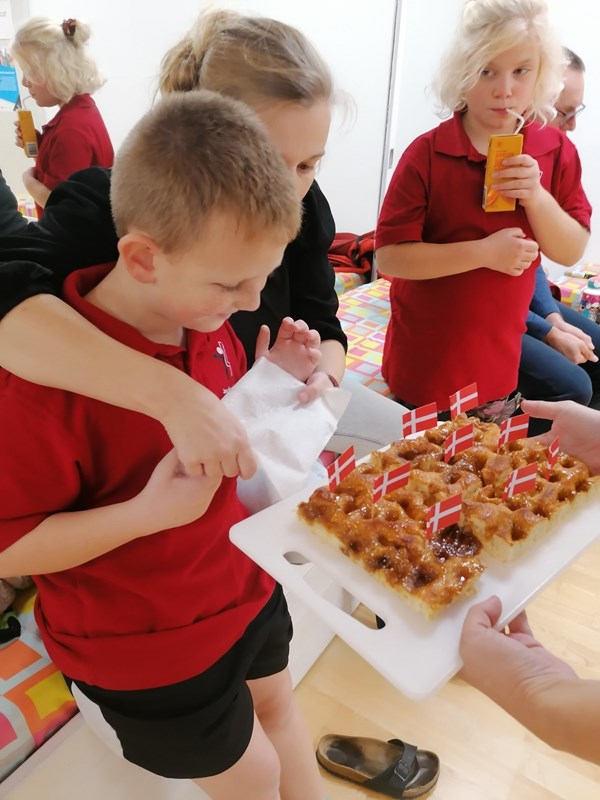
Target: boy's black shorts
201, 726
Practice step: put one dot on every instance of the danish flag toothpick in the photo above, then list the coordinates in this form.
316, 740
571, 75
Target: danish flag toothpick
521, 480
342, 466
390, 481
444, 513
514, 428
419, 419
461, 439
553, 451
463, 400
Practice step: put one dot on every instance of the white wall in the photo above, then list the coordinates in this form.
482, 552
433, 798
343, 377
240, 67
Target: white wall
427, 29
129, 39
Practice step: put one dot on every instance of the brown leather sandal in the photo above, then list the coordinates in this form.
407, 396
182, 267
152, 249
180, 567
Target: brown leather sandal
393, 768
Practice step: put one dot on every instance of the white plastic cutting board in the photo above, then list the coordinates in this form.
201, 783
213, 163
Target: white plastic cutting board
415, 654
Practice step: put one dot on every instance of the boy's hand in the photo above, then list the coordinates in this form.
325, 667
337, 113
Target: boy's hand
172, 498
521, 179
509, 251
296, 349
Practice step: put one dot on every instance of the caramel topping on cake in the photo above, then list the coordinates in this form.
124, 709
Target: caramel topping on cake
388, 538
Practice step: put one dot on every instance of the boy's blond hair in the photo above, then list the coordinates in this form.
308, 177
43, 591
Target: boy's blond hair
194, 154
488, 28
249, 58
55, 54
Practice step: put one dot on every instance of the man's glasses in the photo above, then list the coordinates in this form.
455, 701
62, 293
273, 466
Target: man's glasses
565, 116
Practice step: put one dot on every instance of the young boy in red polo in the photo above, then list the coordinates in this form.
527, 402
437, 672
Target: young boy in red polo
175, 644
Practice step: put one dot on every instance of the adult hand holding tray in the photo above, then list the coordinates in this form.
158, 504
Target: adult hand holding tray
415, 654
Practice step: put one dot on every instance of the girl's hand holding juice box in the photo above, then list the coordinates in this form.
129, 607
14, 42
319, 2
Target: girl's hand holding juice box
28, 133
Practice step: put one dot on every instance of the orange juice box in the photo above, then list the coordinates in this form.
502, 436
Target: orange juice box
28, 133
501, 146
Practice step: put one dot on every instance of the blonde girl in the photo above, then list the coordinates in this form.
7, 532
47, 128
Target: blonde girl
58, 71
462, 278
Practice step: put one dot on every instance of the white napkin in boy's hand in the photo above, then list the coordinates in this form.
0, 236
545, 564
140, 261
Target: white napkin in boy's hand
286, 435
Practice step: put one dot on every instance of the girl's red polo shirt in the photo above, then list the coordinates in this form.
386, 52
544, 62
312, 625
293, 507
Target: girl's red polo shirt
162, 608
447, 332
75, 138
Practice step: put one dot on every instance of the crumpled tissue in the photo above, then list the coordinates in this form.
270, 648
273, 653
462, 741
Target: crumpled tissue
287, 436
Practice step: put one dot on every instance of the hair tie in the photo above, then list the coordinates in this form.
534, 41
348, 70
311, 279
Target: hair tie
69, 27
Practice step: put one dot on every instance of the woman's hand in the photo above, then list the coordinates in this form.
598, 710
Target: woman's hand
296, 349
520, 179
498, 662
508, 251
208, 439
577, 426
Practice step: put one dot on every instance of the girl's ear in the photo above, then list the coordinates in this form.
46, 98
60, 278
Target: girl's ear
138, 253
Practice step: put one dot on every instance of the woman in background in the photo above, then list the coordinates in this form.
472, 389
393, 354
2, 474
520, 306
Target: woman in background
275, 70
58, 71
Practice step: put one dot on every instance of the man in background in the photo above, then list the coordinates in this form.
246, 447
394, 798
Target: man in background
558, 356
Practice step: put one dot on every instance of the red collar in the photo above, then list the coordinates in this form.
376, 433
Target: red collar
452, 140
77, 101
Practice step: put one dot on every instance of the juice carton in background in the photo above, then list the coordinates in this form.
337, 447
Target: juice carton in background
501, 146
28, 133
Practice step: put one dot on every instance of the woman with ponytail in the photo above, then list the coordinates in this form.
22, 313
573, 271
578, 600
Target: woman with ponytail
276, 71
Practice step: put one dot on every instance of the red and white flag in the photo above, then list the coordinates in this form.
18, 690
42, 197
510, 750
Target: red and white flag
521, 480
342, 466
419, 419
444, 513
461, 439
463, 400
514, 428
553, 451
390, 481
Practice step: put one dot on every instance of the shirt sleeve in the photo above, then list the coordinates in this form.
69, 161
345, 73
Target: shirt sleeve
566, 185
71, 152
542, 302
38, 471
537, 326
312, 279
404, 209
76, 231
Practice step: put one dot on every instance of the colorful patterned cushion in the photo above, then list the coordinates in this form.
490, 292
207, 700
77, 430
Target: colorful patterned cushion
34, 699
344, 281
364, 313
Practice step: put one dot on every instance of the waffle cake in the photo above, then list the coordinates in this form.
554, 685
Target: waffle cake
388, 537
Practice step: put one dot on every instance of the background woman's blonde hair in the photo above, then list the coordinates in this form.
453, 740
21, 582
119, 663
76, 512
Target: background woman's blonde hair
248, 58
47, 55
194, 154
488, 28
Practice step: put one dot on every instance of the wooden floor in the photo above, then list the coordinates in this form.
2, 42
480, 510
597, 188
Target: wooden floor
485, 755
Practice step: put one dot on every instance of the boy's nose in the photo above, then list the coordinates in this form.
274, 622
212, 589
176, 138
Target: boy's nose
249, 299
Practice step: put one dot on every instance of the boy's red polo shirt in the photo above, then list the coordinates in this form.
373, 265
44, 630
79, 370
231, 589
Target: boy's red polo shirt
75, 138
447, 332
159, 609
